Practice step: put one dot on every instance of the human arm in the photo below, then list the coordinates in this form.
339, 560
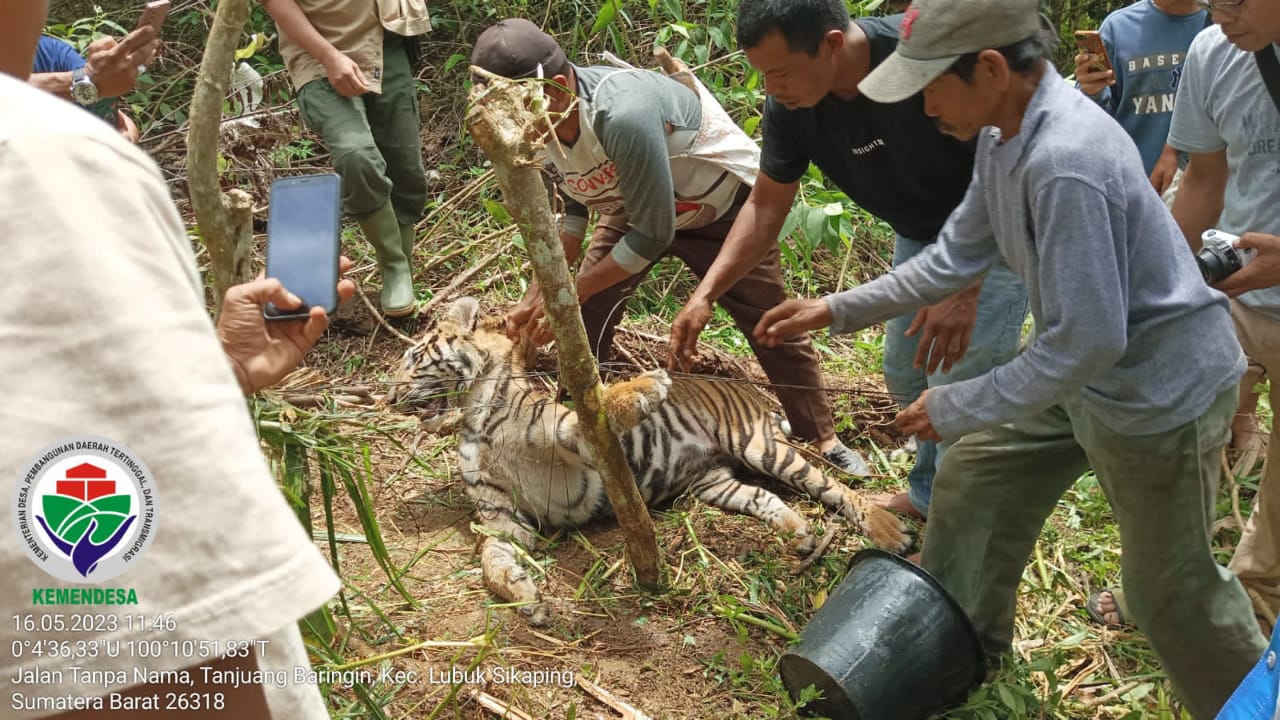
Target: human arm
753, 234
914, 419
1103, 87
262, 352
343, 72
945, 329
111, 65
1082, 325
1166, 167
530, 309
634, 115
965, 249
1199, 200
1096, 85
1262, 272
963, 252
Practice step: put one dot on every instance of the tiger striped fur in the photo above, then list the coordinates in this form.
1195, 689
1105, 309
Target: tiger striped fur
527, 468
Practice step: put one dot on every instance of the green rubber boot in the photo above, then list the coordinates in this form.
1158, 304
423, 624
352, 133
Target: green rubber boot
383, 233
407, 238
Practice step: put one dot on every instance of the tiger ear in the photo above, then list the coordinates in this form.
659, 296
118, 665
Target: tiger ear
463, 313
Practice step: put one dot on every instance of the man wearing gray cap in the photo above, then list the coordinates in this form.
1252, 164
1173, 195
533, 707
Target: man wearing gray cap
1060, 194
666, 170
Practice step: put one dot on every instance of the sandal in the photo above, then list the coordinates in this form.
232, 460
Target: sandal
1093, 608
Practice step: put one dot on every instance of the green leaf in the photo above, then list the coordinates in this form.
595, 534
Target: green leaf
717, 37
1140, 692
1006, 696
750, 126
815, 224
1073, 640
497, 211
607, 13
791, 223
453, 60
833, 209
258, 42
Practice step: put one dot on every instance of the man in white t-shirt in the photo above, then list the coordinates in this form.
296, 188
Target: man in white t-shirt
1226, 118
104, 332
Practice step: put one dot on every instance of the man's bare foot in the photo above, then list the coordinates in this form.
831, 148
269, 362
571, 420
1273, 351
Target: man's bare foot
899, 503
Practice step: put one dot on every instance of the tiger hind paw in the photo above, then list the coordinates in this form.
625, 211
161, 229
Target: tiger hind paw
627, 404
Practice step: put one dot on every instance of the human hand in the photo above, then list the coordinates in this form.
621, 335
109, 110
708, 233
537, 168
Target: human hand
792, 318
947, 328
528, 318
1166, 167
1092, 82
345, 75
113, 66
262, 352
914, 420
1262, 272
688, 325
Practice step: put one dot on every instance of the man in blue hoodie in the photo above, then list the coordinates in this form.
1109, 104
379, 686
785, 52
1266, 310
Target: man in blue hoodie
1146, 43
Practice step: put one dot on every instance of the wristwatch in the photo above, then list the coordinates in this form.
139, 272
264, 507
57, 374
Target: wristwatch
83, 91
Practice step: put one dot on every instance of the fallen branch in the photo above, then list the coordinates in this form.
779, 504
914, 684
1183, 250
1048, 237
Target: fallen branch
478, 242
461, 280
628, 712
1094, 702
712, 350
498, 707
381, 320
454, 200
1229, 472
306, 400
819, 551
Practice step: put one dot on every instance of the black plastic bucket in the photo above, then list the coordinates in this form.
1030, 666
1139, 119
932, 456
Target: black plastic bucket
889, 644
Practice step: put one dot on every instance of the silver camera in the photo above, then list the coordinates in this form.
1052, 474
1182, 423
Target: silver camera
1219, 257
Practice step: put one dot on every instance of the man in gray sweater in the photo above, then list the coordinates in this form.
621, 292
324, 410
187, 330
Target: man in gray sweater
1060, 194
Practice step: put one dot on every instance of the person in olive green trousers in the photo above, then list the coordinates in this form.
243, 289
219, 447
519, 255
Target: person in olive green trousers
349, 63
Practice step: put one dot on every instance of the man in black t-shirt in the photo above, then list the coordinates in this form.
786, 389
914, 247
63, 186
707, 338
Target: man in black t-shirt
889, 159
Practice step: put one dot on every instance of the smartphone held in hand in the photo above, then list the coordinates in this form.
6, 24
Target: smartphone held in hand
153, 14
303, 227
1090, 41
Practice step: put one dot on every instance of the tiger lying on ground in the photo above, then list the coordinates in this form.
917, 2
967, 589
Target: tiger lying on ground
528, 469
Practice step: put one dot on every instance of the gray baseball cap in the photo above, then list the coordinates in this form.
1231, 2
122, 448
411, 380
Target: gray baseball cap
935, 33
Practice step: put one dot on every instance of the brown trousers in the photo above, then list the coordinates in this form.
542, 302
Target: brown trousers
1257, 558
792, 367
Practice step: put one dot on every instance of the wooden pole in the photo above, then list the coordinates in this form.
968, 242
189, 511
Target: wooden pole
225, 219
503, 127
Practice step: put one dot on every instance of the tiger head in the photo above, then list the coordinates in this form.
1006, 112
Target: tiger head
437, 371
